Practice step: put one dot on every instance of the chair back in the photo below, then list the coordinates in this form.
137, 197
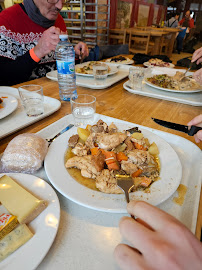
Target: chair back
139, 41
117, 36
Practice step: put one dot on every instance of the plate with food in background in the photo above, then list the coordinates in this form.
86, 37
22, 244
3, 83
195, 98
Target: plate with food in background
120, 60
86, 69
81, 165
8, 104
155, 62
174, 83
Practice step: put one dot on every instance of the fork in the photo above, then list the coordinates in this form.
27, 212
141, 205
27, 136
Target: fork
60, 133
125, 182
190, 66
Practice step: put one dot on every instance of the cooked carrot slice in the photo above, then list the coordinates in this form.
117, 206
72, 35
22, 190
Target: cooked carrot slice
137, 173
121, 156
94, 151
139, 146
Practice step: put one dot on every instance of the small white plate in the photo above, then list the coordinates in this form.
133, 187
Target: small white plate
169, 65
128, 61
161, 190
113, 70
44, 226
52, 75
172, 90
9, 105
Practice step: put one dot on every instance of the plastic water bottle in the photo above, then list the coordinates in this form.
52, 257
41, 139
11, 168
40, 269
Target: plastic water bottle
65, 61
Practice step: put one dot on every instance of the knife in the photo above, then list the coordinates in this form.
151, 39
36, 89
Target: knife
190, 131
60, 133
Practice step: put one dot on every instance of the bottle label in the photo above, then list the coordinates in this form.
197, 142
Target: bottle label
64, 67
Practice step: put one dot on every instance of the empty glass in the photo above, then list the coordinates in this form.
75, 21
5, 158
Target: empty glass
83, 109
32, 99
136, 77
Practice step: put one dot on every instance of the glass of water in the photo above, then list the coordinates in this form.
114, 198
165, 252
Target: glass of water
100, 72
136, 77
83, 109
31, 96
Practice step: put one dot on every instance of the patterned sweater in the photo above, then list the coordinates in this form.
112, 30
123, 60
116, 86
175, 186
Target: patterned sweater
18, 34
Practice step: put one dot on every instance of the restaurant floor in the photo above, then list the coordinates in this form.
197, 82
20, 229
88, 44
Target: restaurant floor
175, 56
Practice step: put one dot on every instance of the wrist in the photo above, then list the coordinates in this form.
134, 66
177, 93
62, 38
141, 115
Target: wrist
34, 56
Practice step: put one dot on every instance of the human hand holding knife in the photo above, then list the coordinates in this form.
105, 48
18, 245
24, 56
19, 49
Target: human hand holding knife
190, 129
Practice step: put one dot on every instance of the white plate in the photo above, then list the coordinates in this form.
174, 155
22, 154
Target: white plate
147, 64
128, 61
172, 90
52, 75
170, 176
9, 104
113, 70
45, 226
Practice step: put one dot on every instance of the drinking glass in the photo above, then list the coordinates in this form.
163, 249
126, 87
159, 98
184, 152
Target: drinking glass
136, 77
32, 99
100, 71
83, 109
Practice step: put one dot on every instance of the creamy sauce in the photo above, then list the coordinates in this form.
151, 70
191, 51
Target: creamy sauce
89, 182
182, 190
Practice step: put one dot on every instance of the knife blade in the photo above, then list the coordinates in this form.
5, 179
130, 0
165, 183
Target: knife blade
182, 128
60, 133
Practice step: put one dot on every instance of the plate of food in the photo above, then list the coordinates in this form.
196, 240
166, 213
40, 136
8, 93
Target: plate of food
86, 69
120, 60
71, 166
41, 230
8, 104
174, 83
155, 62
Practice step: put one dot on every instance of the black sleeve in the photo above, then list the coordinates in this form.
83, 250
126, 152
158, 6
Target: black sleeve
16, 71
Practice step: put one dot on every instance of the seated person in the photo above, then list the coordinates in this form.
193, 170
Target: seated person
29, 34
187, 18
173, 22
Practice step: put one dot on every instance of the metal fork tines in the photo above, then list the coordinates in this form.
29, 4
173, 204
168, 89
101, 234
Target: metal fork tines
184, 75
126, 183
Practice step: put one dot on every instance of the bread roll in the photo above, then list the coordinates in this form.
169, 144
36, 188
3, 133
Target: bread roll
25, 153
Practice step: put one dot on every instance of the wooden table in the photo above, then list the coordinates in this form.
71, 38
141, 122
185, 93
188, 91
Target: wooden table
118, 103
157, 34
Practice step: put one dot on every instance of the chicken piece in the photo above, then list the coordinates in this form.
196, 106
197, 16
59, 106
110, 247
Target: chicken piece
106, 182
110, 141
80, 150
84, 164
90, 142
140, 142
73, 140
128, 166
112, 128
100, 127
130, 145
178, 75
141, 158
102, 123
98, 161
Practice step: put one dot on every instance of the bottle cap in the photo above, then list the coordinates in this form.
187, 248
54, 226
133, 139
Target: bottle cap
64, 36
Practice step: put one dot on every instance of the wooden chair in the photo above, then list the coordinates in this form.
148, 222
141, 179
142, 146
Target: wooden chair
164, 45
139, 42
117, 36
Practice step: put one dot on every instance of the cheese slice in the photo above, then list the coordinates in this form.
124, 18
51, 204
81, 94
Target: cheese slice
18, 201
12, 241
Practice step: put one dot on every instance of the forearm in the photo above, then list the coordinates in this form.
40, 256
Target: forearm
16, 71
